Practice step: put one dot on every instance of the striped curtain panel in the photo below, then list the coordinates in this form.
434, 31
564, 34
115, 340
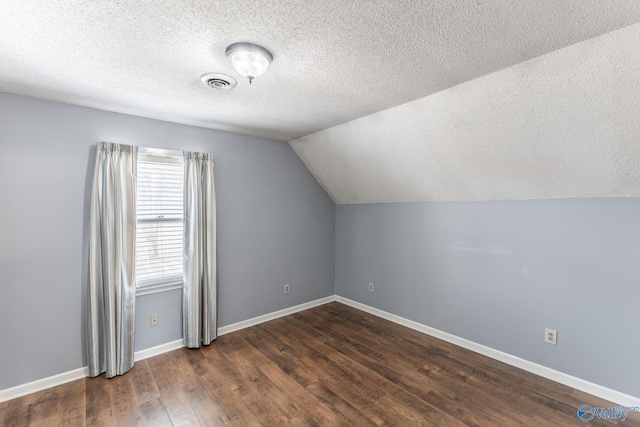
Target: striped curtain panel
110, 309
199, 309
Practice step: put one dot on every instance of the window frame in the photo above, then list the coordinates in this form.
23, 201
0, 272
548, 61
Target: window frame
160, 156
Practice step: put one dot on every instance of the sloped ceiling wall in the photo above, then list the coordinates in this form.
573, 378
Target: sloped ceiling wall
563, 125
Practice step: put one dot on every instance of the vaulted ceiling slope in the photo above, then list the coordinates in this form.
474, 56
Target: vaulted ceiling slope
334, 60
563, 125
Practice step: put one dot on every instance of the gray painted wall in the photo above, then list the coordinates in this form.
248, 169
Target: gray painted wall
499, 273
496, 273
275, 226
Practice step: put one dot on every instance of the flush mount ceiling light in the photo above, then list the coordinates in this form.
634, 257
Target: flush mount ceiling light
249, 59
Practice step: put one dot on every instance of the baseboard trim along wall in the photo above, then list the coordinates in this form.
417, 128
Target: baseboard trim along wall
551, 374
76, 374
44, 383
276, 314
159, 349
560, 377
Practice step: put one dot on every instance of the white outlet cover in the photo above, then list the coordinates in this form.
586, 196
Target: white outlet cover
551, 336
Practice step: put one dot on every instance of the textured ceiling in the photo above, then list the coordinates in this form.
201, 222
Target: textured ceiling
562, 125
334, 61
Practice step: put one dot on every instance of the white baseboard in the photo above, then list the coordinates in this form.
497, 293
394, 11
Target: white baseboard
557, 376
174, 345
76, 374
276, 314
42, 384
159, 349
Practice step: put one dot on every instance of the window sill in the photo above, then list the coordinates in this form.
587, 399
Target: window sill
160, 287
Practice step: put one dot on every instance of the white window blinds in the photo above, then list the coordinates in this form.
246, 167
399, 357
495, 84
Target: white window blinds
159, 237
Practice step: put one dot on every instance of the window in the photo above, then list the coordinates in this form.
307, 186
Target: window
159, 216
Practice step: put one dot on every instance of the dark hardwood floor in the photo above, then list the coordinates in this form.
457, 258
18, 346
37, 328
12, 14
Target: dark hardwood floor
330, 365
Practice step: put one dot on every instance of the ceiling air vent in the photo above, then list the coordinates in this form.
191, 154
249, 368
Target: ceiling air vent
219, 81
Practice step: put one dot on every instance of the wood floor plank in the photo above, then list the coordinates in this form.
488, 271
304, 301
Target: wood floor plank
235, 408
327, 366
189, 422
202, 405
455, 373
403, 409
184, 371
542, 399
16, 412
386, 365
98, 411
127, 414
71, 410
144, 384
154, 413
44, 407
206, 408
223, 384
160, 366
124, 405
466, 372
247, 381
340, 377
292, 399
176, 403
303, 372
379, 358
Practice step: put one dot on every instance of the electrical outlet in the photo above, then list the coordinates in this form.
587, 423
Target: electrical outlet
551, 336
286, 288
154, 320
370, 287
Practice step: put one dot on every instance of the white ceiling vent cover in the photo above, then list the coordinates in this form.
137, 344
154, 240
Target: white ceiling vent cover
218, 81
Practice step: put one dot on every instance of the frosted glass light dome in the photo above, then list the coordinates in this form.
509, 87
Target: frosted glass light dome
248, 59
